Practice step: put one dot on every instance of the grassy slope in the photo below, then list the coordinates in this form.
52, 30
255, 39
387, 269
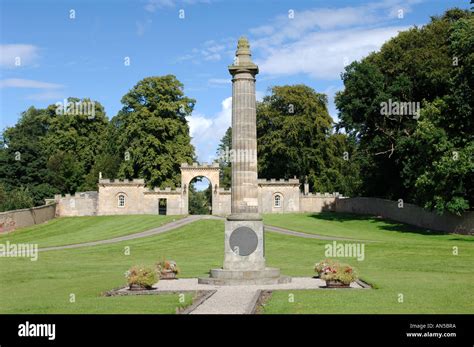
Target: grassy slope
44, 286
349, 226
406, 260
419, 266
70, 230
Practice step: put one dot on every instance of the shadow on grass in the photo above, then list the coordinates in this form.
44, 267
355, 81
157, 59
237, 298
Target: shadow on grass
460, 239
384, 224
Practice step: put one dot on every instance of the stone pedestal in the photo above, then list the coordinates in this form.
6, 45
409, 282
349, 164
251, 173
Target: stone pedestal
244, 255
244, 248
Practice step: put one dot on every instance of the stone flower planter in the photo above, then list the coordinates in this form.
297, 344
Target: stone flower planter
167, 275
137, 287
336, 284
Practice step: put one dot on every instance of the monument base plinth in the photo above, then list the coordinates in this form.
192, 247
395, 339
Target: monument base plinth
244, 255
222, 277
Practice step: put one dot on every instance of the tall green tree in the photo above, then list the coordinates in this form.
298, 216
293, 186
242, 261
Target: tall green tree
414, 156
200, 201
295, 138
76, 134
15, 199
52, 150
152, 132
23, 163
223, 155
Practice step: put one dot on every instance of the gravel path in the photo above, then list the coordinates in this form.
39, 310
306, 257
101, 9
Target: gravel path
164, 228
229, 300
242, 299
238, 299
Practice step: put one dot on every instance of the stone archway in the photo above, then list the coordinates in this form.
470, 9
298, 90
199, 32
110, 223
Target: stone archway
211, 172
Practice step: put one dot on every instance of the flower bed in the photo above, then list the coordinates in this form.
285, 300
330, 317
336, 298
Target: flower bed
335, 274
141, 278
168, 269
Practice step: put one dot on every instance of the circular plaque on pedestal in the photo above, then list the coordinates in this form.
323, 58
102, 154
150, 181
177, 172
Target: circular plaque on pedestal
243, 241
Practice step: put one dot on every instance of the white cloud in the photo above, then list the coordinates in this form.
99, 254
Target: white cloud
331, 93
47, 90
211, 50
323, 55
24, 83
153, 5
212, 57
284, 29
321, 41
207, 132
262, 30
142, 26
9, 54
219, 81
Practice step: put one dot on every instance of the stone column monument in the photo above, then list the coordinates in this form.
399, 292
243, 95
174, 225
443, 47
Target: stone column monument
244, 244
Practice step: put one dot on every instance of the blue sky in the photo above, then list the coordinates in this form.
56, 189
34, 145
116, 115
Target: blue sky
84, 56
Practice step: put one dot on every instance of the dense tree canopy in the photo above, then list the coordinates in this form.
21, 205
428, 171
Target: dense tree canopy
151, 131
423, 157
295, 138
223, 149
62, 148
49, 152
199, 200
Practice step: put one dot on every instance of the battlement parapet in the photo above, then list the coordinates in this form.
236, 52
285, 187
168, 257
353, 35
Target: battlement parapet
78, 195
135, 181
323, 195
200, 166
291, 181
167, 190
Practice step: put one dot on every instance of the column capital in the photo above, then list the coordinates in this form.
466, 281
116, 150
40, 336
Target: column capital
243, 61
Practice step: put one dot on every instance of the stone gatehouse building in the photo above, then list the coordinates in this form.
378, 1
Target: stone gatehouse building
116, 197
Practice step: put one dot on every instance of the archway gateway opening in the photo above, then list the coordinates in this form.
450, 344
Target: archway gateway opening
210, 172
200, 196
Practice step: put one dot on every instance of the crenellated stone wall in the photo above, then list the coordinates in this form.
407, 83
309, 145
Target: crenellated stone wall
79, 204
139, 199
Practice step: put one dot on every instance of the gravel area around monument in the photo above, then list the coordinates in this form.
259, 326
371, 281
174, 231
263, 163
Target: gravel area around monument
235, 299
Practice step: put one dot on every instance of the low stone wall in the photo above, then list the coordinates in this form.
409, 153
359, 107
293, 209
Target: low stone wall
318, 202
11, 220
409, 214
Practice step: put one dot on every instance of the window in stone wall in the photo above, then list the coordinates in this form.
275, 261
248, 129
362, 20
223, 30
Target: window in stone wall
277, 200
121, 200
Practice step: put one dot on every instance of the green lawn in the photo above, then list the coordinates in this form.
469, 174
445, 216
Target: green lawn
350, 226
421, 267
405, 260
45, 286
71, 230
